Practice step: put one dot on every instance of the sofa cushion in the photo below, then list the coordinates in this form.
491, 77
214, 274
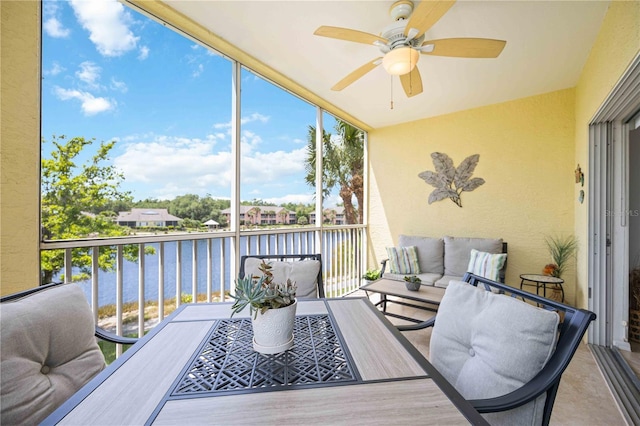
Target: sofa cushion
403, 260
430, 252
444, 281
457, 252
488, 345
487, 265
304, 273
48, 352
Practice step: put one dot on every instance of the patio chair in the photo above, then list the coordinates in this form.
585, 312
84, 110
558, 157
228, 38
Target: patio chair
47, 350
303, 269
504, 355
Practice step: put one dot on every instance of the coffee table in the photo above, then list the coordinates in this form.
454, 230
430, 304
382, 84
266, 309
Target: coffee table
428, 296
349, 365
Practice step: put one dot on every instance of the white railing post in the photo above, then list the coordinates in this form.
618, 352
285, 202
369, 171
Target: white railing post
161, 281
119, 291
141, 290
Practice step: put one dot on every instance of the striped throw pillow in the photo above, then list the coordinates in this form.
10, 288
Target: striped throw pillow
403, 260
487, 265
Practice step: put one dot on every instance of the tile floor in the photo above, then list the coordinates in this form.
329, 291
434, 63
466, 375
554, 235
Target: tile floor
583, 397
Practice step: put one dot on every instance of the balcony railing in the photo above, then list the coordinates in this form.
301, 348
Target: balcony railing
202, 267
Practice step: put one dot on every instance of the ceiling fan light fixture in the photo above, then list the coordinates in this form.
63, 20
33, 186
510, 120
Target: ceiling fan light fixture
401, 60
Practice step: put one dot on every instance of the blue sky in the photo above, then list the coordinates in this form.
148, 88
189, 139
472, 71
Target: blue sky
110, 73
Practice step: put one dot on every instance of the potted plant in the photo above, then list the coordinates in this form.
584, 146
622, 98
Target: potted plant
561, 251
272, 307
412, 282
371, 275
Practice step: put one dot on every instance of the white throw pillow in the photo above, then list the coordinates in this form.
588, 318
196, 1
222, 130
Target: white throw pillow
488, 345
304, 273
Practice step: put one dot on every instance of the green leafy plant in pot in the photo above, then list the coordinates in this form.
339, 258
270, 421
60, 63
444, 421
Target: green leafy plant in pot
371, 275
272, 307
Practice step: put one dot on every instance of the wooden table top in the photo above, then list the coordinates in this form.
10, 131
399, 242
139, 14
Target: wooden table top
393, 382
427, 293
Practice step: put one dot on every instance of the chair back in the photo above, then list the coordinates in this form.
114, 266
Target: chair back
47, 351
303, 269
552, 349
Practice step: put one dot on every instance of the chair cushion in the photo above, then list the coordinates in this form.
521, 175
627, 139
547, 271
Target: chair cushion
304, 273
48, 352
457, 252
403, 260
488, 345
430, 252
486, 265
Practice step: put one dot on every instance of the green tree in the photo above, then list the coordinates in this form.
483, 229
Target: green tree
343, 166
69, 193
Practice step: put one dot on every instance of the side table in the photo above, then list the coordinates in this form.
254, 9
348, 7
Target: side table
541, 281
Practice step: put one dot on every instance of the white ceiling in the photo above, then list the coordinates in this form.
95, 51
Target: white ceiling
548, 43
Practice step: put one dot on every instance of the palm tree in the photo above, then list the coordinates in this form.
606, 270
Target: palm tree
343, 166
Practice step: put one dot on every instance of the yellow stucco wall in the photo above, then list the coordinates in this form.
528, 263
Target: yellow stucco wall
527, 159
20, 145
617, 44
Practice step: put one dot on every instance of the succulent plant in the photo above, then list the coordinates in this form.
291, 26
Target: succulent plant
261, 293
412, 279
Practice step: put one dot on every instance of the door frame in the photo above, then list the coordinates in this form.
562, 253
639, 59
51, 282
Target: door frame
608, 233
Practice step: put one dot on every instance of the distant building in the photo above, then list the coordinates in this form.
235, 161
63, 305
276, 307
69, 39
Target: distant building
334, 216
138, 218
263, 215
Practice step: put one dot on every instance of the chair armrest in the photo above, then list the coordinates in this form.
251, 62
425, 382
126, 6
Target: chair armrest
384, 265
528, 392
114, 338
419, 326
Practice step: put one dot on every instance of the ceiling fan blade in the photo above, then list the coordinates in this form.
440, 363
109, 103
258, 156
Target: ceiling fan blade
426, 14
348, 35
466, 47
412, 83
357, 74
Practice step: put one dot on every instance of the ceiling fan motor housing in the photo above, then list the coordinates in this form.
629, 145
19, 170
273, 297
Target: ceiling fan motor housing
394, 33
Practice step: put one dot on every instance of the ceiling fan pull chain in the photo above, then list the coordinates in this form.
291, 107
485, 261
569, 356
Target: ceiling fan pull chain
391, 77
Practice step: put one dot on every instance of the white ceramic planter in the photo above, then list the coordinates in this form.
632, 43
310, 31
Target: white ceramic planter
273, 330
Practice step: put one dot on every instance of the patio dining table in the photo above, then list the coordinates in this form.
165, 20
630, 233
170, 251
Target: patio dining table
348, 365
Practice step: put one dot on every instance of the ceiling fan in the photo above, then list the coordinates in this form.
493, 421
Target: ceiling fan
403, 41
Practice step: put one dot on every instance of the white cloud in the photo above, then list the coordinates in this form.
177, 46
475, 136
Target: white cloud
244, 120
90, 104
266, 167
175, 166
51, 25
291, 198
144, 53
89, 73
107, 22
55, 29
199, 69
170, 166
120, 86
55, 69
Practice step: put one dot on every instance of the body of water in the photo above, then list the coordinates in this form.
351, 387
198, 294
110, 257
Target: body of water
107, 280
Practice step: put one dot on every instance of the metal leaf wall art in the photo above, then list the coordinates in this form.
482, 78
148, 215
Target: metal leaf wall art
450, 181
